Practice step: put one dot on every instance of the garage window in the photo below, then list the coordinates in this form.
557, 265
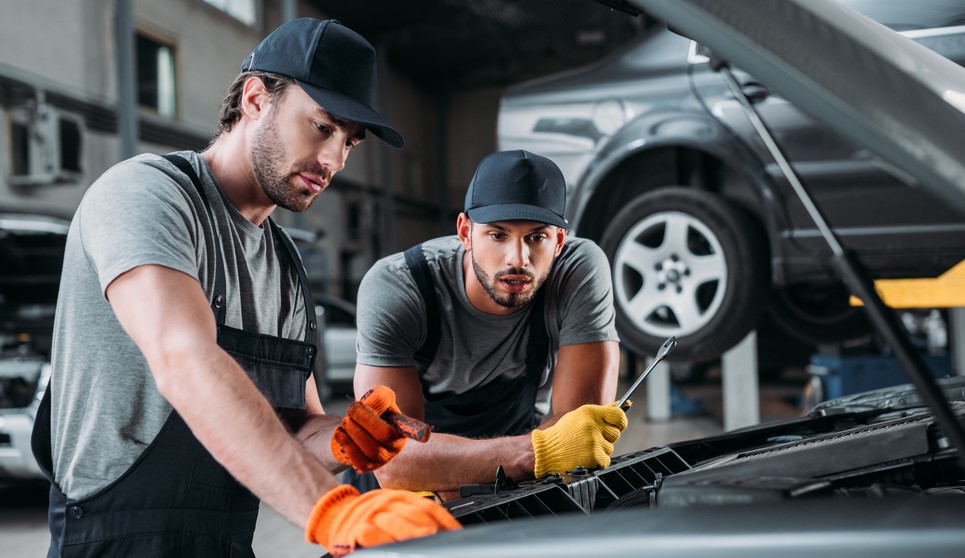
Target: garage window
155, 76
242, 10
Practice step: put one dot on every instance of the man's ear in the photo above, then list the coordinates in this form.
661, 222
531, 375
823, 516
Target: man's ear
560, 239
464, 230
255, 100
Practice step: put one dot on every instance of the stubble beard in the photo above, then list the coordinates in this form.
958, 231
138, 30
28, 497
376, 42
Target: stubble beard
268, 156
511, 300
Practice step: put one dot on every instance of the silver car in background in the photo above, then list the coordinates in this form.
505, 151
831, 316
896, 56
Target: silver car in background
702, 230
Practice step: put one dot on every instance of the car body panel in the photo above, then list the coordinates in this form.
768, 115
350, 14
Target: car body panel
804, 529
864, 475
856, 82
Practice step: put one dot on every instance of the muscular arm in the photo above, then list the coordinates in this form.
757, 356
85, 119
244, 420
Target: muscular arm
444, 462
167, 315
315, 428
585, 374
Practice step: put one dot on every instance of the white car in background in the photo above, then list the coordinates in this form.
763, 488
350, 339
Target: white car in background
31, 253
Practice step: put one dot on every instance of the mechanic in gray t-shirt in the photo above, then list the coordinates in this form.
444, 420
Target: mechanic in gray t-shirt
181, 389
502, 337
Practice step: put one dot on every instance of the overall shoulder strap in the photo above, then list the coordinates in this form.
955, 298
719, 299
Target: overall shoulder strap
537, 348
218, 305
310, 324
419, 268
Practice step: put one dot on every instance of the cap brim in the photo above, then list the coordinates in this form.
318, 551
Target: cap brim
516, 212
349, 109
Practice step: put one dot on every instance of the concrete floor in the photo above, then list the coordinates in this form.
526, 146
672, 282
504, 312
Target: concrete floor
23, 527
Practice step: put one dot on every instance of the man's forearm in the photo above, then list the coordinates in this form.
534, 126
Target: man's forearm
241, 430
446, 462
316, 436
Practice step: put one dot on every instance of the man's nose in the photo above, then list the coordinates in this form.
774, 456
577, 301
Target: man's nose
333, 154
517, 254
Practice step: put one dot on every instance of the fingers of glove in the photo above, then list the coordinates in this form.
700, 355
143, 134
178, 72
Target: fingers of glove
380, 399
361, 418
325, 517
617, 417
609, 414
418, 510
354, 445
382, 516
597, 455
610, 433
348, 452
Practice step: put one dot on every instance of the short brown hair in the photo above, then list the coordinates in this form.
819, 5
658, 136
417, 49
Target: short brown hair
276, 84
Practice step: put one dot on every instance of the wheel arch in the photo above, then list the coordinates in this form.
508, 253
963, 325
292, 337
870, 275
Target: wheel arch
627, 172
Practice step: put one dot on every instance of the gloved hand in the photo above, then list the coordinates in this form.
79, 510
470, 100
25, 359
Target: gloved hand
364, 440
583, 436
343, 521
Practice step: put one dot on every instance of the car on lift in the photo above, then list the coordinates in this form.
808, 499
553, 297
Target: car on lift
874, 474
702, 230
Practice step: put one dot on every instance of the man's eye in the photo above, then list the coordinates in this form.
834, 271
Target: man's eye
497, 235
537, 238
323, 128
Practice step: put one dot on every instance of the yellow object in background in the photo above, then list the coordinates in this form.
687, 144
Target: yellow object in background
945, 291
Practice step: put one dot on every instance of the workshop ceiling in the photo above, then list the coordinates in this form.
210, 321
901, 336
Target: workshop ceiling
466, 44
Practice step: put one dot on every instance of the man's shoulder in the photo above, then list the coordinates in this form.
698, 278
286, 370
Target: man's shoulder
582, 251
145, 172
443, 248
438, 252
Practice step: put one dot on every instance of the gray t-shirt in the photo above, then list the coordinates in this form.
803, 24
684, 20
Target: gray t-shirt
106, 408
475, 347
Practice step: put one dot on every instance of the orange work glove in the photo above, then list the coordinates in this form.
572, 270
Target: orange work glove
343, 521
366, 440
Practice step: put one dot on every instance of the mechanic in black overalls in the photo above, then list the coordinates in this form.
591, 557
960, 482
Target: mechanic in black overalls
217, 511
510, 307
277, 144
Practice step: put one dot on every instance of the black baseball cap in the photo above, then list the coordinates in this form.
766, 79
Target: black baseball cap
330, 62
517, 186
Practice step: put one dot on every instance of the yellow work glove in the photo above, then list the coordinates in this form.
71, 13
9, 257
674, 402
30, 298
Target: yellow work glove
583, 436
343, 520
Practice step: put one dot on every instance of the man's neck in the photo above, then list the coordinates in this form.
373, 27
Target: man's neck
476, 292
232, 168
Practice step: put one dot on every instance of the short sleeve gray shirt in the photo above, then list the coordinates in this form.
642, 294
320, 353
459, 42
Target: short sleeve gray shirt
476, 347
106, 408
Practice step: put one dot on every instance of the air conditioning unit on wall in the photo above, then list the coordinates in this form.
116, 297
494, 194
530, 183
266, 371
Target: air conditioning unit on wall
45, 146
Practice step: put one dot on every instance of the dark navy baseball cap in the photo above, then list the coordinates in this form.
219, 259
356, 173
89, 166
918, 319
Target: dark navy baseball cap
517, 186
334, 65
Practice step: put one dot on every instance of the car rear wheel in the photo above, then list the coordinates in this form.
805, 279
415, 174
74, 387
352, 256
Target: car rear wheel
818, 314
687, 263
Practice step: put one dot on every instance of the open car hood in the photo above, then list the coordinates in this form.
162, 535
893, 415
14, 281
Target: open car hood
871, 84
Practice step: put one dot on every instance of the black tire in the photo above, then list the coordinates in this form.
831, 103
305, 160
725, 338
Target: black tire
819, 314
706, 282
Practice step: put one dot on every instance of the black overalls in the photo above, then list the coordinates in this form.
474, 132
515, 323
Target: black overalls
502, 407
176, 500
